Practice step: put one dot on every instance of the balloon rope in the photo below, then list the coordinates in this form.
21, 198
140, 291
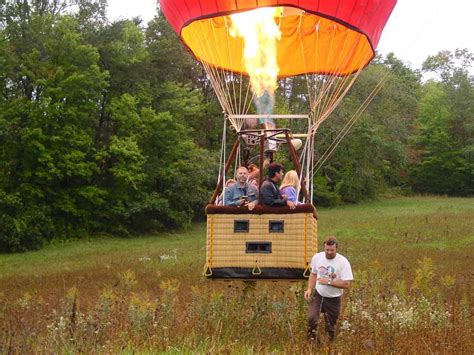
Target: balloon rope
336, 99
215, 76
331, 77
341, 85
224, 146
212, 72
222, 164
331, 91
312, 166
224, 76
347, 127
229, 53
237, 162
304, 57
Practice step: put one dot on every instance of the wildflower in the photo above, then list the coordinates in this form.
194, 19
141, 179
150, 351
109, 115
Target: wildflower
345, 326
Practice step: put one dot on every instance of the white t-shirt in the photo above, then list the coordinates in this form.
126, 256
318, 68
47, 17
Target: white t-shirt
334, 269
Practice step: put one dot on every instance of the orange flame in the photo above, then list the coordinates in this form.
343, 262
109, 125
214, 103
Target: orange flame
260, 34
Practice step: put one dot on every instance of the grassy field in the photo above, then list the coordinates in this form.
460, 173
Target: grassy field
412, 259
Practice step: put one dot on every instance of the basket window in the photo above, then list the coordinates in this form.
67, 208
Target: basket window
258, 247
276, 226
241, 226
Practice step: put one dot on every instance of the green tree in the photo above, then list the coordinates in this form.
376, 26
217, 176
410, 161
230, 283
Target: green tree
50, 96
90, 140
445, 138
171, 62
442, 166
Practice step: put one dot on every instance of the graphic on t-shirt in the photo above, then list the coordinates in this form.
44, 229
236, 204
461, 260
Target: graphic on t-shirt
329, 272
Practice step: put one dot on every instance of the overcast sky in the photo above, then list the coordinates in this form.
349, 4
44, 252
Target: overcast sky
416, 29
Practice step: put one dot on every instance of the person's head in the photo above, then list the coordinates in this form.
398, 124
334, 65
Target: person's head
230, 182
330, 247
291, 179
252, 167
241, 175
275, 171
254, 172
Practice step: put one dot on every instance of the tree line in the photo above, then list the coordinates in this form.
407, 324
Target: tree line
113, 127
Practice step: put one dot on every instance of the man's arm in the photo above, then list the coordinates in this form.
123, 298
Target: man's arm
268, 197
311, 284
279, 202
266, 193
252, 193
344, 284
229, 198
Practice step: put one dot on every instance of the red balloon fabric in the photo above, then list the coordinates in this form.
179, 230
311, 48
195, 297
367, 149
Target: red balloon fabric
365, 16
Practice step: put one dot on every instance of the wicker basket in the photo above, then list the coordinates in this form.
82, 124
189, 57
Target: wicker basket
266, 243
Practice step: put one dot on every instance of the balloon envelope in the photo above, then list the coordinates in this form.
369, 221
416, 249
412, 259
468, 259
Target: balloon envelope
335, 37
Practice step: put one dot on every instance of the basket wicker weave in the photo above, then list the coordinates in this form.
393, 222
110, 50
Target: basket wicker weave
277, 243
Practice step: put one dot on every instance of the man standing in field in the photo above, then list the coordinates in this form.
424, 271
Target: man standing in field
331, 273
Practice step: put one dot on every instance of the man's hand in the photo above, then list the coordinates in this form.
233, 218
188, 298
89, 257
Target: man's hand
290, 204
311, 285
251, 205
343, 284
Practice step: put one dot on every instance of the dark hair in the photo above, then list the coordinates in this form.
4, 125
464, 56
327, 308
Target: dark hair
331, 240
274, 168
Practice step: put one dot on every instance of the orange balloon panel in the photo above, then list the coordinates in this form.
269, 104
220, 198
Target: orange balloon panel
308, 44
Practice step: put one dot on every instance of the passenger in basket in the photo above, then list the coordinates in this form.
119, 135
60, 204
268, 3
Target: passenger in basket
254, 174
241, 193
270, 193
290, 185
220, 199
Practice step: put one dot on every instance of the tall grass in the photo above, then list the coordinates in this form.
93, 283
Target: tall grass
413, 292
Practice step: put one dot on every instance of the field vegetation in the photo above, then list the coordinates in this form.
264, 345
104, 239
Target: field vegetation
412, 259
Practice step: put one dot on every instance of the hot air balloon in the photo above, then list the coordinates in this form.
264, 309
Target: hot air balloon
246, 46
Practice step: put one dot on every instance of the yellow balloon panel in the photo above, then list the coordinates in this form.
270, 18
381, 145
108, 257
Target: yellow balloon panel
308, 44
